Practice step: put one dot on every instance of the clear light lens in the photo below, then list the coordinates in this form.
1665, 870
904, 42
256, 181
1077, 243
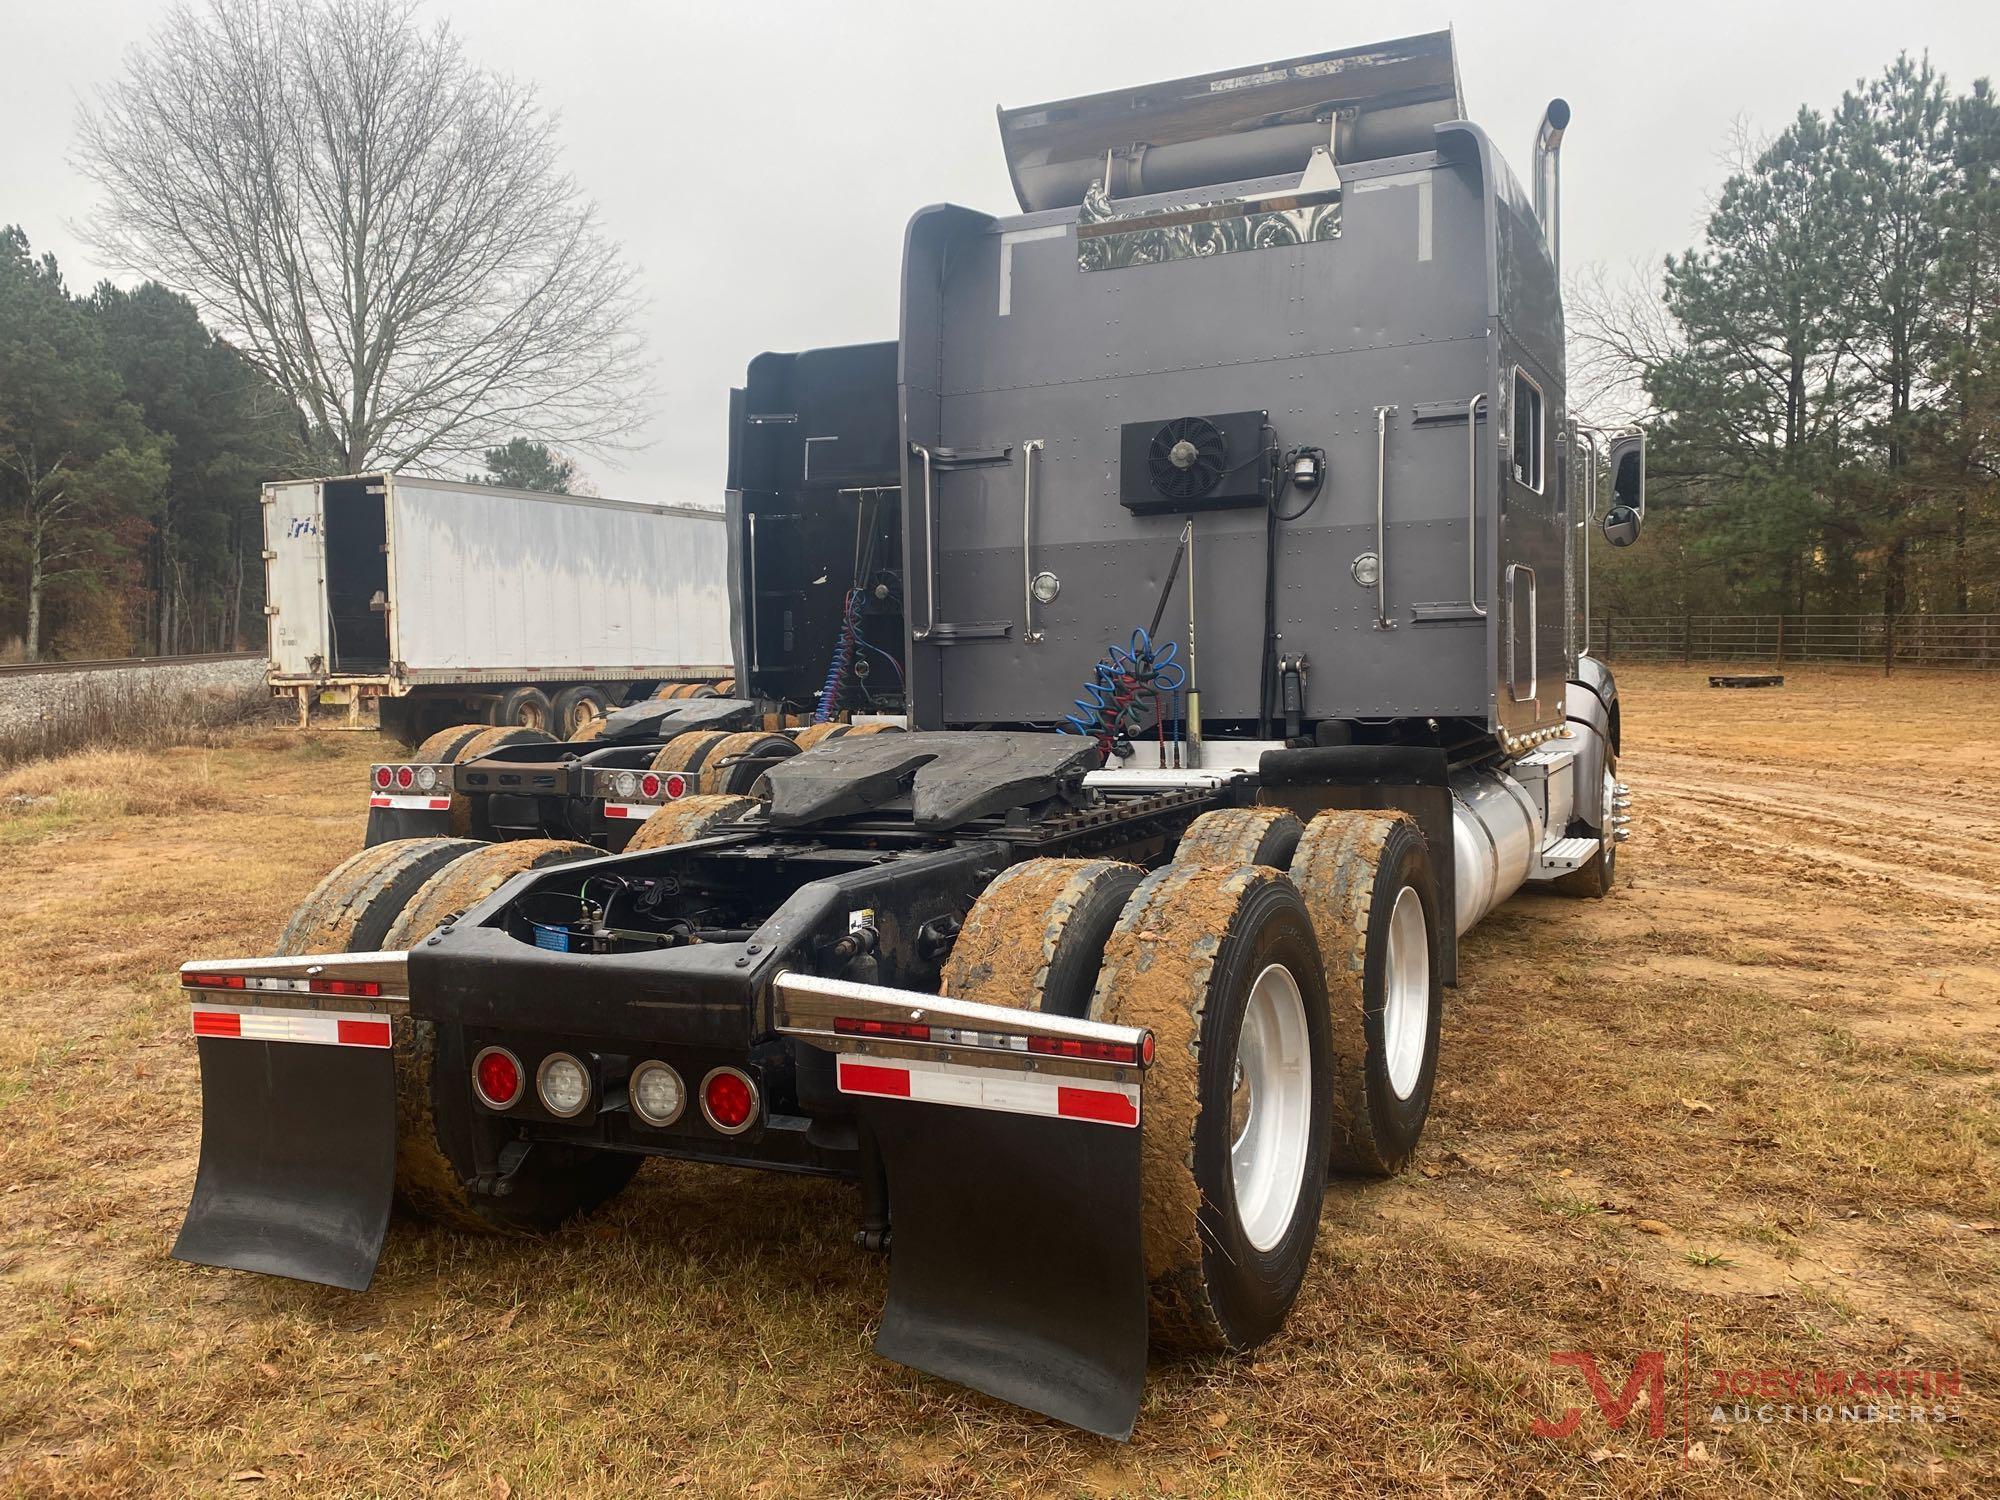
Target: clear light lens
427, 778
1367, 570
626, 783
657, 1095
563, 1085
1046, 587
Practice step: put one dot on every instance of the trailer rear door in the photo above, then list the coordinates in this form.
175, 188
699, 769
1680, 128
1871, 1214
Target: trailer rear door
295, 578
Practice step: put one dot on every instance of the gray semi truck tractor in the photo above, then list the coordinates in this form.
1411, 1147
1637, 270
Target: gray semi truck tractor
1229, 469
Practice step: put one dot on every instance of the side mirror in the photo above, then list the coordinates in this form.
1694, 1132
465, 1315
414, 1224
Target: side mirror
1628, 475
1621, 526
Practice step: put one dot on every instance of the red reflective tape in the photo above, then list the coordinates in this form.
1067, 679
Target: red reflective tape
440, 804
616, 810
864, 1078
1095, 1104
217, 1023
363, 1033
378, 801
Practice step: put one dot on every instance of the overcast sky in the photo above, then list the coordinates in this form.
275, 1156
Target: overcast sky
759, 161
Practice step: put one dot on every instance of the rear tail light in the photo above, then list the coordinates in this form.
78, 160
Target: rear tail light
625, 784
563, 1084
405, 777
902, 1031
729, 1100
427, 778
496, 1078
649, 785
658, 1096
383, 777
677, 786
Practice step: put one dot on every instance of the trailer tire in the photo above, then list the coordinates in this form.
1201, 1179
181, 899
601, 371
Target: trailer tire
686, 820
353, 909
1367, 879
1205, 956
555, 1184
1034, 940
1241, 836
575, 707
588, 732
734, 763
523, 707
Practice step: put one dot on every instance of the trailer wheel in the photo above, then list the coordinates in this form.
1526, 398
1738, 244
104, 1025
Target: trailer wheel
733, 764
438, 1132
354, 907
1222, 965
725, 686
1035, 937
523, 707
688, 819
575, 707
1367, 880
487, 740
443, 747
588, 732
1241, 836
875, 726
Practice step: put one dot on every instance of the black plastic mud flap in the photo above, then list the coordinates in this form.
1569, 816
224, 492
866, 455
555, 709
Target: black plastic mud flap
387, 823
298, 1160
1016, 1266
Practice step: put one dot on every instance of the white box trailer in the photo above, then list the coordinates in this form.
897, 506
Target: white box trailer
441, 601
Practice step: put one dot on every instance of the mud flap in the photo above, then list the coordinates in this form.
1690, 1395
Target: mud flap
388, 823
298, 1160
1016, 1266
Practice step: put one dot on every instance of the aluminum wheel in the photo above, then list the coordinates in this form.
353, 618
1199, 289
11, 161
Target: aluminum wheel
1406, 998
1270, 1107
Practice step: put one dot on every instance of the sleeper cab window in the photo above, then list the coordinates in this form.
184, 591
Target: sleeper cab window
1527, 431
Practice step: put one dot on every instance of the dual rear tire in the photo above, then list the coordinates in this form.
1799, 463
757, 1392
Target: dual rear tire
1290, 978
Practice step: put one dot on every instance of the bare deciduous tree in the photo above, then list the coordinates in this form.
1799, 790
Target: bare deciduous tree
385, 228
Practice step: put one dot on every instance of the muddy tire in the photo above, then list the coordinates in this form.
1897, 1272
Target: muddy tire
486, 741
725, 687
875, 727
523, 708
1035, 937
688, 819
819, 734
1592, 881
1367, 880
353, 909
1241, 836
437, 1125
575, 708
1223, 966
588, 732
442, 748
735, 762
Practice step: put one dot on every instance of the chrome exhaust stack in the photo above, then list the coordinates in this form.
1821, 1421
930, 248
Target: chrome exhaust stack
1548, 177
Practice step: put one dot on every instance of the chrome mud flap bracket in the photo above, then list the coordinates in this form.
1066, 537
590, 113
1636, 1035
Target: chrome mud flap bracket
1012, 1149
298, 1104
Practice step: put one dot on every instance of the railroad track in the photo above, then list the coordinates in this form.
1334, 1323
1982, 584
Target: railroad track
123, 663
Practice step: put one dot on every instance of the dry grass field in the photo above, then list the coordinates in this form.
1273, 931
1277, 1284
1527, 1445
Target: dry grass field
1742, 1113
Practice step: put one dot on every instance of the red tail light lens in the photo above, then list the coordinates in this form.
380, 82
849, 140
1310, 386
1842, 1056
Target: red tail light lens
496, 1078
383, 776
729, 1099
406, 777
677, 786
649, 785
906, 1031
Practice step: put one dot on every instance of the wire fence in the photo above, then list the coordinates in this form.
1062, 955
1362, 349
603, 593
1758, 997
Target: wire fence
1885, 641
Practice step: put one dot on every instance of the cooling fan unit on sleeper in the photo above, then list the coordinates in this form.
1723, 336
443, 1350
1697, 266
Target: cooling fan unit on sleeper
1193, 463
